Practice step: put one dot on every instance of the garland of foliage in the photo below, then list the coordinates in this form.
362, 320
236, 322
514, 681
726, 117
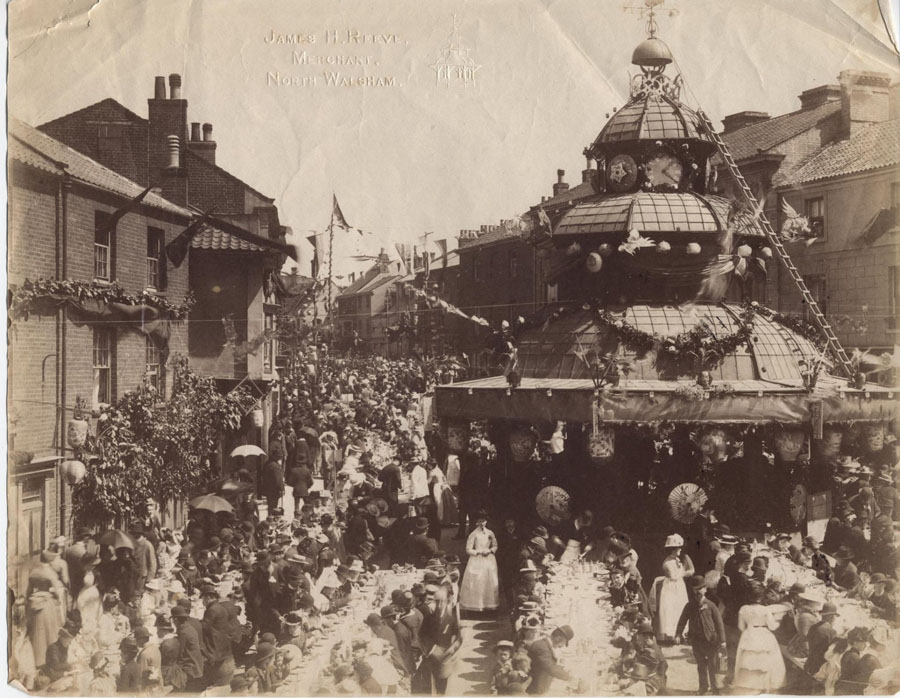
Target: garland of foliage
144, 448
31, 293
792, 322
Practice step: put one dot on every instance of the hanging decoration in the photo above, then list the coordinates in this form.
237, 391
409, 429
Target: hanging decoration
686, 501
873, 437
553, 505
457, 436
713, 443
257, 418
73, 470
799, 497
602, 444
522, 441
828, 448
788, 442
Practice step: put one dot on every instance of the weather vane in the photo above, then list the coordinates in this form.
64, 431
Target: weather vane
648, 10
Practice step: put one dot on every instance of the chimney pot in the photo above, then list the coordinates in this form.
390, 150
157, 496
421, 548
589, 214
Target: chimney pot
207, 132
159, 87
195, 131
174, 86
559, 176
560, 185
173, 152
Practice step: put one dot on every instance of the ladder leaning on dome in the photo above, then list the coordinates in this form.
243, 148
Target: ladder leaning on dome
818, 316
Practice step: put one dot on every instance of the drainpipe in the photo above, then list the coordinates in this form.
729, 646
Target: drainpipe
63, 270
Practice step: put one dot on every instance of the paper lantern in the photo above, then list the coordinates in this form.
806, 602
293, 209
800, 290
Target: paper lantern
714, 444
457, 436
594, 262
605, 249
76, 432
873, 437
692, 248
744, 251
788, 443
573, 249
521, 444
74, 471
828, 448
766, 252
663, 246
602, 444
256, 417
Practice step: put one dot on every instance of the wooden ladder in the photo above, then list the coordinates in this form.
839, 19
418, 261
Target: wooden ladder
818, 316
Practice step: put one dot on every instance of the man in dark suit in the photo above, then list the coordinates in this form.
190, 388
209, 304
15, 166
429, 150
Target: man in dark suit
544, 667
706, 634
421, 546
300, 478
819, 637
272, 480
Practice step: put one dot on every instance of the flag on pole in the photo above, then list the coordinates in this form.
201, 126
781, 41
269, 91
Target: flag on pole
337, 216
544, 220
317, 256
442, 251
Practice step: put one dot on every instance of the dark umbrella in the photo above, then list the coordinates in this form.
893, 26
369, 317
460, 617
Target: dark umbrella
116, 539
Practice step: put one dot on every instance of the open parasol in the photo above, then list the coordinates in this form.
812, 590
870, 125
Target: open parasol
116, 539
211, 502
552, 504
685, 501
231, 488
247, 450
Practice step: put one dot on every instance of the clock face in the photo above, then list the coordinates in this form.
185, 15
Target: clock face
664, 170
621, 173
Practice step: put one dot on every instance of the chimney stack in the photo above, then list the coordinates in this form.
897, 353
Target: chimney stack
205, 148
817, 96
207, 132
587, 174
195, 131
174, 86
865, 99
560, 185
159, 87
173, 152
732, 122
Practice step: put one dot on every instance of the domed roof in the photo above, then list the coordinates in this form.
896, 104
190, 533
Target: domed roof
652, 116
654, 213
774, 353
651, 52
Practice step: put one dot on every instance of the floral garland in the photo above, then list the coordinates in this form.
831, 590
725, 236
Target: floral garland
31, 293
792, 322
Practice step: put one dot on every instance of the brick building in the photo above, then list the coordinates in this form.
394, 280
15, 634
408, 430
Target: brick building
60, 207
233, 260
835, 161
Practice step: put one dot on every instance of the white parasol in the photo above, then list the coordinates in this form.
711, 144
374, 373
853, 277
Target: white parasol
685, 501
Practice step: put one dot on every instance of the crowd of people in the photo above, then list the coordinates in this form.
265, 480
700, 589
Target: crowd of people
237, 599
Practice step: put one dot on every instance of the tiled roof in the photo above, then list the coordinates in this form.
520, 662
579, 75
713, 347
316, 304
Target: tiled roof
367, 283
652, 118
761, 136
874, 146
651, 212
78, 166
211, 238
201, 162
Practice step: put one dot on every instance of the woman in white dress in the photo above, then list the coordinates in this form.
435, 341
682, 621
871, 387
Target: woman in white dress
671, 591
443, 497
759, 666
480, 588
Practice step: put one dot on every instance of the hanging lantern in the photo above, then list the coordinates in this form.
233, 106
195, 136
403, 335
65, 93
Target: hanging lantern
594, 262
766, 252
692, 248
602, 444
256, 417
605, 249
73, 470
663, 246
873, 437
744, 250
714, 444
788, 443
828, 448
457, 436
76, 432
521, 444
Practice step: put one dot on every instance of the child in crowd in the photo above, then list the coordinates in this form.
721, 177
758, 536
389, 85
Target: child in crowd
503, 652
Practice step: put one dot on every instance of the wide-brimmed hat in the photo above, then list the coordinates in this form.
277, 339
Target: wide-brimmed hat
264, 650
877, 578
154, 585
697, 582
843, 553
565, 631
829, 609
674, 541
727, 539
504, 644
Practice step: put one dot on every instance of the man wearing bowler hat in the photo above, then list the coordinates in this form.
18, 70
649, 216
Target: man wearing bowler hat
705, 634
544, 666
819, 638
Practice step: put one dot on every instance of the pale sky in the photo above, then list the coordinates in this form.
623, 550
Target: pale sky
420, 156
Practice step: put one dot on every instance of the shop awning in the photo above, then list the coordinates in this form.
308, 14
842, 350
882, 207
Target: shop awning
640, 400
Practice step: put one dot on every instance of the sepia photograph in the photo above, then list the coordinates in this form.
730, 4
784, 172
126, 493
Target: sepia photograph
442, 347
